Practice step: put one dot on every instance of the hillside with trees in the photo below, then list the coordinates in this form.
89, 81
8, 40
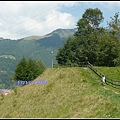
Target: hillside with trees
35, 47
87, 42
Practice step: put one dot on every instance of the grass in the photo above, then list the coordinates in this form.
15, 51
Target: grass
110, 72
70, 93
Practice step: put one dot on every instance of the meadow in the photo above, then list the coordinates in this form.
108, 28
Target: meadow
71, 92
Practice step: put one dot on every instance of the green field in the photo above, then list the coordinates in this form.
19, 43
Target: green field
110, 72
72, 92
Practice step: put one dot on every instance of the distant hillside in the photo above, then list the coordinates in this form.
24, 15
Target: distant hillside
62, 33
54, 39
69, 93
36, 47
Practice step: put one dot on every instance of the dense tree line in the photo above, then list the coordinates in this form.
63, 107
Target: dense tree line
27, 70
91, 42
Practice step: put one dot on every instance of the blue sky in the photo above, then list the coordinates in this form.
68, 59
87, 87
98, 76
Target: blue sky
20, 19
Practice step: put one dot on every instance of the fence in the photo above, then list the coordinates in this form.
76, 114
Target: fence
113, 83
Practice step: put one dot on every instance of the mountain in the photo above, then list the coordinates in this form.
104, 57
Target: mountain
35, 47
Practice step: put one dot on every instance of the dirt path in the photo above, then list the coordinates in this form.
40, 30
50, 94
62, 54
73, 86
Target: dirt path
111, 90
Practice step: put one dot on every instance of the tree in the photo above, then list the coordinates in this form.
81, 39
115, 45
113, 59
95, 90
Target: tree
40, 67
90, 42
109, 50
27, 70
21, 70
114, 25
65, 54
93, 17
89, 22
31, 70
87, 35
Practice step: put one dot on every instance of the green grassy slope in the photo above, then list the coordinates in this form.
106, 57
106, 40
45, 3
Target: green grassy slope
70, 93
110, 72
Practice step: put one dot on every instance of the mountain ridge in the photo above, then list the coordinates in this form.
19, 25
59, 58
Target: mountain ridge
61, 32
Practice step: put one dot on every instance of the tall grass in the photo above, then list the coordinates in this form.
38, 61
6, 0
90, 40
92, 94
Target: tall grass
70, 93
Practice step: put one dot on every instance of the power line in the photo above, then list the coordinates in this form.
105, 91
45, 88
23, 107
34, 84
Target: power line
35, 23
28, 18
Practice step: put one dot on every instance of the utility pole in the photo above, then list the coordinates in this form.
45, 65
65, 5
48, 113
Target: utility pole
52, 60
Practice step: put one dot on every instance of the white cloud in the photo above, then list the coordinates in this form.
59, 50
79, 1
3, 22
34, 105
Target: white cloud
22, 19
109, 5
68, 3
52, 21
25, 18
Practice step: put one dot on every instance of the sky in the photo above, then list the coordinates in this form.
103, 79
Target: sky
19, 19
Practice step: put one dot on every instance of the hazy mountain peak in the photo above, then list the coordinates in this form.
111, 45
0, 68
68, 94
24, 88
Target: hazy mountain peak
62, 33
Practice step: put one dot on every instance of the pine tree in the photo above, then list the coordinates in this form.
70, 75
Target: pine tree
27, 70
